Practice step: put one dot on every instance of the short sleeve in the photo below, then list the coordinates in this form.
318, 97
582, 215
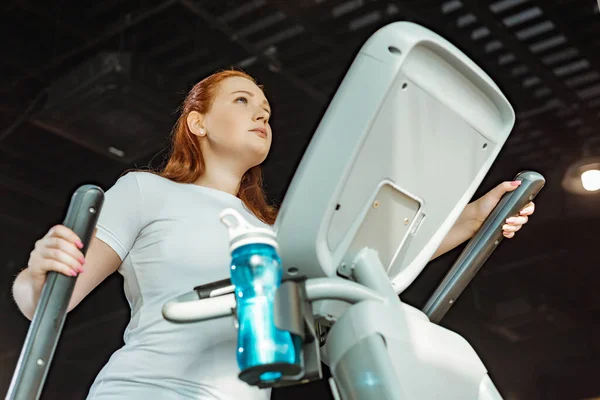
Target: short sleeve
120, 219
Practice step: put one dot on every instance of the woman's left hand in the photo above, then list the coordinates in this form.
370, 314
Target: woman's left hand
483, 207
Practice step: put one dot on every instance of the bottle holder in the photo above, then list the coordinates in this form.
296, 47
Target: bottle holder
293, 313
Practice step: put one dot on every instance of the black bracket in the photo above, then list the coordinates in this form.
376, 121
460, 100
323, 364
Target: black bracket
293, 313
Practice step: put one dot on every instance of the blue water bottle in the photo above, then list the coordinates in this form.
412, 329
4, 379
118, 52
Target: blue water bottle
264, 352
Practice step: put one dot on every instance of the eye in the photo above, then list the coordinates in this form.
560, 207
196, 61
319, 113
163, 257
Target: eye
244, 99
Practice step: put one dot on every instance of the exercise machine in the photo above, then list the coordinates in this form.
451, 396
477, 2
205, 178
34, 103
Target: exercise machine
407, 139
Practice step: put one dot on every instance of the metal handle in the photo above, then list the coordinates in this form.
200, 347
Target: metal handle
214, 289
51, 310
482, 245
190, 307
208, 301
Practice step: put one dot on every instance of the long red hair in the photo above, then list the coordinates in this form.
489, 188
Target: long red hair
185, 162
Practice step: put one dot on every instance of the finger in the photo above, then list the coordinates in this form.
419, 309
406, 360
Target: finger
517, 220
67, 234
59, 243
62, 257
57, 266
528, 209
507, 186
511, 228
508, 235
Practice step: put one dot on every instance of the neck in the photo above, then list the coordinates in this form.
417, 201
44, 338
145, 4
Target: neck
220, 176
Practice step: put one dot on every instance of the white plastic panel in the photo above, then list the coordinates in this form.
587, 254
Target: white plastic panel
487, 390
438, 73
311, 198
431, 154
414, 112
430, 362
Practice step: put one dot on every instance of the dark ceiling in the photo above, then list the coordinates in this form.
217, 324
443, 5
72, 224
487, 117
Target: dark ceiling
532, 313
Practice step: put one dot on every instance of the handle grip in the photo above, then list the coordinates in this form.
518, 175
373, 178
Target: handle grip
190, 307
51, 311
214, 289
482, 245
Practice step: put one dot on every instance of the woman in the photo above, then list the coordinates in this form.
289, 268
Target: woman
161, 232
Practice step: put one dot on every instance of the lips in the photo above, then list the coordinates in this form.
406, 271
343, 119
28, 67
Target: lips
260, 131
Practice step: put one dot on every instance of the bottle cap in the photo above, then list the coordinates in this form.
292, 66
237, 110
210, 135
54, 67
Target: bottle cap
241, 232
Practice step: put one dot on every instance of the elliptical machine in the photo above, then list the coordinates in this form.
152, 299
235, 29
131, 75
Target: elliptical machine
407, 139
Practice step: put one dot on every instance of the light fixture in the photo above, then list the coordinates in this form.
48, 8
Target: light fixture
590, 180
583, 176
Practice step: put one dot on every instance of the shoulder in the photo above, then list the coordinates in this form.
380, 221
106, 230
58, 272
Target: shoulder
138, 187
144, 180
141, 177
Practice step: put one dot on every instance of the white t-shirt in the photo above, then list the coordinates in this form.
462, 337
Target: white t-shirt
170, 240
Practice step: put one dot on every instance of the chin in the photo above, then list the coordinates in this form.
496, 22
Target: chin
256, 155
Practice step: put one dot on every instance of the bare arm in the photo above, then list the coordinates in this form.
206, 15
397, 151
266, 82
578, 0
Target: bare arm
476, 212
465, 227
100, 261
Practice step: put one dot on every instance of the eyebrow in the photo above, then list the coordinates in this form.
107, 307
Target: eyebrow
252, 95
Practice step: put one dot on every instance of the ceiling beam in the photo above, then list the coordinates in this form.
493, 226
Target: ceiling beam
53, 20
252, 50
97, 39
572, 36
521, 52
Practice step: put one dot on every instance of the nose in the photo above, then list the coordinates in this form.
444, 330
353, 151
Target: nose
261, 115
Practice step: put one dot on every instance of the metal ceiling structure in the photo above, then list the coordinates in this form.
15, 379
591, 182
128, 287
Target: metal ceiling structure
533, 313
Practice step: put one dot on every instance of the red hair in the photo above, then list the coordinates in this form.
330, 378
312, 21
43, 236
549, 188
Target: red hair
186, 163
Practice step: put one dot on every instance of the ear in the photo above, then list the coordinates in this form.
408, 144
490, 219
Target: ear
195, 123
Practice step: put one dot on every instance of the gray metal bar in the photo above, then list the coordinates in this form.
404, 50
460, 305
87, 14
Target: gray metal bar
482, 245
51, 310
366, 372
369, 272
340, 289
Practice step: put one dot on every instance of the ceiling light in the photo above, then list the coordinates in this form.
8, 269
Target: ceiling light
590, 180
583, 176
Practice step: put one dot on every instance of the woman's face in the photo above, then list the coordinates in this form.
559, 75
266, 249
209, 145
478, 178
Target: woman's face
237, 123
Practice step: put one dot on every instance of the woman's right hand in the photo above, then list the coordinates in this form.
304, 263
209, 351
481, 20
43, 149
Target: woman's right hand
58, 250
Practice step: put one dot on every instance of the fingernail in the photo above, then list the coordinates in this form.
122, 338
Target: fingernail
73, 273
79, 244
80, 269
81, 260
515, 183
